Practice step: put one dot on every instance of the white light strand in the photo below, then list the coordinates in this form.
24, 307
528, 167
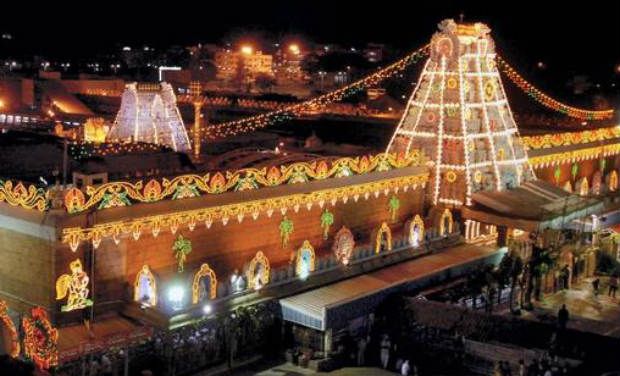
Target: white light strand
515, 126
409, 103
421, 109
440, 131
465, 134
485, 117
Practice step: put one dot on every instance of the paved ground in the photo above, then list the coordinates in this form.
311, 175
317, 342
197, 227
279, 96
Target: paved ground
598, 314
287, 369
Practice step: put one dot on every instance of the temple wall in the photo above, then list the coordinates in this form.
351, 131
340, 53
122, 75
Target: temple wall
586, 169
226, 247
26, 251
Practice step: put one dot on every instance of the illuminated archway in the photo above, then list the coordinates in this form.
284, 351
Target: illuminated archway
613, 181
584, 187
8, 332
568, 187
344, 242
415, 231
199, 291
446, 222
258, 271
596, 182
145, 287
305, 260
384, 230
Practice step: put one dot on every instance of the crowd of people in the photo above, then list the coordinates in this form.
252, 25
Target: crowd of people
183, 350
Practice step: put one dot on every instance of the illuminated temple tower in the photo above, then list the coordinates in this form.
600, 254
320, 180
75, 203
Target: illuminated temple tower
149, 113
459, 115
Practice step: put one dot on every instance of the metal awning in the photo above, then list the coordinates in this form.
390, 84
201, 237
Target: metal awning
332, 306
531, 206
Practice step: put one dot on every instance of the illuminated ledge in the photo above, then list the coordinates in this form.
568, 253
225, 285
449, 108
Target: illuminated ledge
241, 205
574, 155
551, 140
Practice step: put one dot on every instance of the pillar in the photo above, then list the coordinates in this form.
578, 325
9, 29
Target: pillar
327, 341
197, 124
502, 232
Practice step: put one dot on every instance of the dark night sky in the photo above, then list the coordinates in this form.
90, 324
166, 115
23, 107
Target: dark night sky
581, 38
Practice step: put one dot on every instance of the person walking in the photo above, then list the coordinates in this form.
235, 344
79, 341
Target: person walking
405, 368
386, 345
613, 286
563, 317
595, 285
361, 352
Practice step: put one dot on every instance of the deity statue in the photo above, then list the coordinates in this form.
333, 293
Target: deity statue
76, 286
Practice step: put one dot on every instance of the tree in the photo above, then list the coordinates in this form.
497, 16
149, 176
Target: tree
502, 276
490, 282
515, 278
539, 264
475, 283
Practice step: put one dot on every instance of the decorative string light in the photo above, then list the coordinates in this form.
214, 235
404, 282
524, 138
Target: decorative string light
75, 235
544, 99
233, 128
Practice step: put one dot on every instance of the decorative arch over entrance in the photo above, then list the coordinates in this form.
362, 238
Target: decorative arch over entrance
199, 289
414, 231
344, 242
8, 333
446, 223
584, 187
597, 180
258, 271
568, 187
305, 260
612, 184
145, 287
384, 232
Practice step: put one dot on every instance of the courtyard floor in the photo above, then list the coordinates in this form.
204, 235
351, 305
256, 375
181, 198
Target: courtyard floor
287, 369
587, 312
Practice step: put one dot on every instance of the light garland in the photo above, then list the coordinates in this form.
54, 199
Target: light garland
7, 323
550, 140
73, 236
574, 156
83, 150
115, 194
27, 198
233, 128
440, 129
40, 339
482, 92
549, 102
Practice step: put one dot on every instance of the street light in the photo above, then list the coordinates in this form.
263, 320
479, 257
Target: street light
247, 49
294, 48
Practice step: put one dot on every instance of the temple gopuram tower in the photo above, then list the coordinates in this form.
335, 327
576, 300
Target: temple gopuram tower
149, 113
459, 116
